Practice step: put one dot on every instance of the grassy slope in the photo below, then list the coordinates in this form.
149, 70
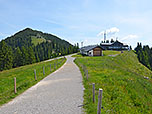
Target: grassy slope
125, 91
77, 55
36, 40
25, 78
105, 53
110, 52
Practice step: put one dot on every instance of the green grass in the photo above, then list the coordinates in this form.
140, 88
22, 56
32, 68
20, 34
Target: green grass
105, 53
77, 55
24, 78
110, 52
125, 91
37, 41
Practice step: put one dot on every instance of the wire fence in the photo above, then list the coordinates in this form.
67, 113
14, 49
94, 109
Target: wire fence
19, 82
85, 71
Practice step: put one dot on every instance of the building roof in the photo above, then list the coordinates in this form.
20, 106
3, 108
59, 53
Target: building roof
109, 44
90, 47
106, 44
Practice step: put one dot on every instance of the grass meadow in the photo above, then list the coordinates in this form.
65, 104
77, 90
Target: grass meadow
24, 78
125, 91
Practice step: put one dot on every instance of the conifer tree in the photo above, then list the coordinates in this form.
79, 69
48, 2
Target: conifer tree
6, 56
31, 56
17, 58
25, 55
144, 55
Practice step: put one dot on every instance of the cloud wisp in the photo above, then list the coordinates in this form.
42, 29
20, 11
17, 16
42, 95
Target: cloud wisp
110, 31
129, 37
3, 35
52, 22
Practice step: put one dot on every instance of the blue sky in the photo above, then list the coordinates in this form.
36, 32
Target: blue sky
80, 20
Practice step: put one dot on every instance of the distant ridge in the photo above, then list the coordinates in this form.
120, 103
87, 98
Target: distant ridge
29, 46
27, 33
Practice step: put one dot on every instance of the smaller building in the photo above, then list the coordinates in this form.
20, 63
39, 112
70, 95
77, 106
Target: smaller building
114, 46
92, 50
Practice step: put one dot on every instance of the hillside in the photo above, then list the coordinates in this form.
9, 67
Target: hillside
29, 46
25, 37
125, 90
25, 77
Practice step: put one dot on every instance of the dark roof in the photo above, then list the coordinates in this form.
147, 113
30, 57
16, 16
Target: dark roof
117, 42
110, 44
90, 47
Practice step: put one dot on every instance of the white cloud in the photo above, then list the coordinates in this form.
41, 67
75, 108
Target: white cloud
3, 35
109, 31
52, 22
131, 36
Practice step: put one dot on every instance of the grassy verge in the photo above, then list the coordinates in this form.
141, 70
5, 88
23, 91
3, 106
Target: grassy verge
125, 91
24, 78
77, 55
105, 53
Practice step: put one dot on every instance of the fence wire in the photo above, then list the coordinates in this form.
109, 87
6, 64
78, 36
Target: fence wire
6, 93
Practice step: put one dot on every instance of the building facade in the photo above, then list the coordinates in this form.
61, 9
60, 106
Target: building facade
93, 50
114, 46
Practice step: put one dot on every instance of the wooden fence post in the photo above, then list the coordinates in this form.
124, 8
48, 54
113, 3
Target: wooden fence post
43, 70
93, 91
50, 67
35, 75
99, 101
15, 91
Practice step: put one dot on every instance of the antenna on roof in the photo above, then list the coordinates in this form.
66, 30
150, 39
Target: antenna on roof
105, 36
116, 38
81, 44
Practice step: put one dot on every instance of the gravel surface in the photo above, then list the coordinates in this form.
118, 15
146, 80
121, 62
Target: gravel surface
113, 55
59, 93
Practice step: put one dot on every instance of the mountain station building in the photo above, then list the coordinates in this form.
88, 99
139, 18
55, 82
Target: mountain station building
92, 50
114, 46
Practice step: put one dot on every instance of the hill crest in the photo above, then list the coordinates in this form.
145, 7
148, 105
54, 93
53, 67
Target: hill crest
33, 37
29, 46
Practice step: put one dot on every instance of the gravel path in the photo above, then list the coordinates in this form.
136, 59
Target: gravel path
113, 55
59, 93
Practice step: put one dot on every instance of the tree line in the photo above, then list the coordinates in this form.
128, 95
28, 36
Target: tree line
18, 50
144, 54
